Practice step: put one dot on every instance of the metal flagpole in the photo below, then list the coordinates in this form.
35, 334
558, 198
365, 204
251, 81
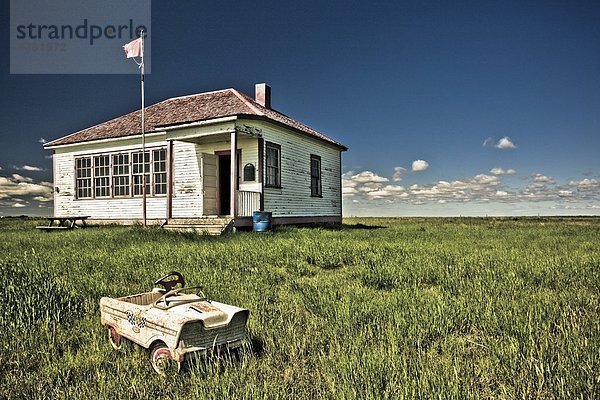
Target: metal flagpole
143, 133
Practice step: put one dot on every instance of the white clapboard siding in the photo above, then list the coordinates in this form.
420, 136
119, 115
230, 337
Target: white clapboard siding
123, 208
248, 147
294, 198
187, 182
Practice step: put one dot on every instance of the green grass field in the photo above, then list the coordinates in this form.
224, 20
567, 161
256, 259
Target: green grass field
414, 308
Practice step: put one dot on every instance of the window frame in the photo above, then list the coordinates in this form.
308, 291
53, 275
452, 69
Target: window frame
318, 177
87, 178
277, 175
122, 172
162, 162
102, 190
146, 167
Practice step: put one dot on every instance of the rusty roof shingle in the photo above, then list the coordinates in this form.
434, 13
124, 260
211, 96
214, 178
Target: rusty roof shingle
187, 109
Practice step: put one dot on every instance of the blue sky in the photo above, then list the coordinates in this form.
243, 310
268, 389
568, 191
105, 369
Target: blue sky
447, 107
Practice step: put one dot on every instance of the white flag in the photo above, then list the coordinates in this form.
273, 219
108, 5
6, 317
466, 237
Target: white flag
133, 48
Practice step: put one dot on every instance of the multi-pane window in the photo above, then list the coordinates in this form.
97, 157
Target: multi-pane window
102, 176
121, 174
273, 173
141, 167
315, 176
83, 177
160, 171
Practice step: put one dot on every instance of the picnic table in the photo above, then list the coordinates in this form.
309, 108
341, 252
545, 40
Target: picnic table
64, 223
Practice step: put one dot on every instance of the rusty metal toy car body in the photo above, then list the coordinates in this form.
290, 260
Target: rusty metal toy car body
173, 322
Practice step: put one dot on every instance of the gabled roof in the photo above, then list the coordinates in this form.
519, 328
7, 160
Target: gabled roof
188, 109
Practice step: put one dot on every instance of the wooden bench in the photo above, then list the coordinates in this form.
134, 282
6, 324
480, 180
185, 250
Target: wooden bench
64, 223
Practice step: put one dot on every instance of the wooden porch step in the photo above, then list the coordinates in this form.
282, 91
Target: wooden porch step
210, 226
201, 221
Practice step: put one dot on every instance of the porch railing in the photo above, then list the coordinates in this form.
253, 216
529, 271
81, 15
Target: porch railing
247, 202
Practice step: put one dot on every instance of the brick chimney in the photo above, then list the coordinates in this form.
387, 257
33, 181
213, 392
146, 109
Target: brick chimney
262, 94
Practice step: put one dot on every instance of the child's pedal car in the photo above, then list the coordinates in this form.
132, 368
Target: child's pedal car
173, 321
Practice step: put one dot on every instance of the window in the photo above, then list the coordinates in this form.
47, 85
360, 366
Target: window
249, 173
102, 176
273, 178
121, 174
315, 176
83, 177
160, 171
141, 166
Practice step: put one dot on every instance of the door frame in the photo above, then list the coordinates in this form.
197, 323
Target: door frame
233, 174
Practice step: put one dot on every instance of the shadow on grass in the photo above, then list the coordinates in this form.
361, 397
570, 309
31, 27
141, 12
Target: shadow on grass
216, 362
257, 346
360, 227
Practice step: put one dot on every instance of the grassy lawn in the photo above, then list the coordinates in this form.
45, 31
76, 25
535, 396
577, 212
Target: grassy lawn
383, 308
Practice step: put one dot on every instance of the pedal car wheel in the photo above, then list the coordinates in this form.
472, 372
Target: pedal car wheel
114, 338
162, 362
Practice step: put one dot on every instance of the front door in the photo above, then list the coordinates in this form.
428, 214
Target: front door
209, 184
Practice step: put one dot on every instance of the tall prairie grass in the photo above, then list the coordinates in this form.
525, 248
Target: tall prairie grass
380, 309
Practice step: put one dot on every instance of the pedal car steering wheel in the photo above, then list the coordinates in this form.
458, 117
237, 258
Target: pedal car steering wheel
197, 290
170, 280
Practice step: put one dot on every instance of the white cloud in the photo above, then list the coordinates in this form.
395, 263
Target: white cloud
18, 205
346, 182
488, 142
483, 179
536, 186
543, 178
43, 199
44, 141
475, 188
348, 191
565, 193
368, 187
586, 184
394, 188
505, 143
368, 176
30, 168
420, 165
399, 173
363, 182
20, 178
500, 171
19, 186
377, 194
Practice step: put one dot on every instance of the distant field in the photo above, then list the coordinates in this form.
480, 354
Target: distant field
384, 308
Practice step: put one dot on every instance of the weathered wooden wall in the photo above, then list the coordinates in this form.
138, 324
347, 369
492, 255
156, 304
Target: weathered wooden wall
294, 198
125, 208
188, 180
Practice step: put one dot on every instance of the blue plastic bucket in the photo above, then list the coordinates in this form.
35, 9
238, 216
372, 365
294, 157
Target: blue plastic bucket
261, 221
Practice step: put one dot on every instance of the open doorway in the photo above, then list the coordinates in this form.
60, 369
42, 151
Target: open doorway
224, 180
224, 165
